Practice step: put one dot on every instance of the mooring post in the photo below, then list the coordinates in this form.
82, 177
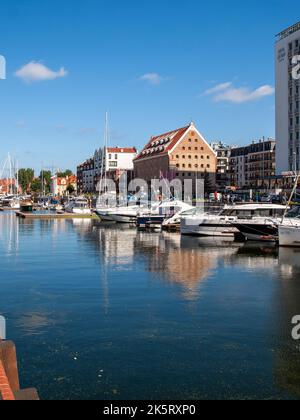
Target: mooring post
2, 328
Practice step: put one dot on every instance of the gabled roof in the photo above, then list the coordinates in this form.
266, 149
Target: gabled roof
163, 143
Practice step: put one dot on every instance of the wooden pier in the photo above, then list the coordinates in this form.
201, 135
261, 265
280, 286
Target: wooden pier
9, 376
54, 216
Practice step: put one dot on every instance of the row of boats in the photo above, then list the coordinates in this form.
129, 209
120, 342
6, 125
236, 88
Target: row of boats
253, 222
76, 205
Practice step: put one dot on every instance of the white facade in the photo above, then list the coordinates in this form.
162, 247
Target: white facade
113, 159
287, 101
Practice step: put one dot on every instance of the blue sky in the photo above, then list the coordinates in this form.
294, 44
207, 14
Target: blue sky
154, 65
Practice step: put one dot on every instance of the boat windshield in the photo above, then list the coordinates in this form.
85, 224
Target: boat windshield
258, 212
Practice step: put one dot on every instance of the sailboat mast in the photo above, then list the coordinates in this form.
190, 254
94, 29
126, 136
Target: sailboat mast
105, 149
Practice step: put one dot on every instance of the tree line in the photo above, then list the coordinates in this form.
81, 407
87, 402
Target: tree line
29, 183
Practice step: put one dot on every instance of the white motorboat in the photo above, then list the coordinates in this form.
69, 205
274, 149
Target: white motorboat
230, 221
125, 214
289, 229
78, 205
11, 201
159, 213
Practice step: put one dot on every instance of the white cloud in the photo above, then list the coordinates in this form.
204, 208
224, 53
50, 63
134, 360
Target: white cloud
152, 78
37, 72
218, 88
226, 92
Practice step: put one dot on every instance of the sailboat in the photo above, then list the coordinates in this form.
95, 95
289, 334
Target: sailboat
289, 229
103, 209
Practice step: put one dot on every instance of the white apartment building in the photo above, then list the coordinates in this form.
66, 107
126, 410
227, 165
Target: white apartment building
111, 160
223, 152
287, 100
114, 158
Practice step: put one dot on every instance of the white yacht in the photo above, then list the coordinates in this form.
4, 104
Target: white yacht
11, 201
161, 212
78, 205
230, 221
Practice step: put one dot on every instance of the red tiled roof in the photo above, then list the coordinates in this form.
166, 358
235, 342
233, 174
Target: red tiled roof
72, 179
163, 143
121, 150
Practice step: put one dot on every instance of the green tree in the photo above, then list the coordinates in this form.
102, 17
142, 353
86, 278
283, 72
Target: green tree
36, 185
64, 174
25, 178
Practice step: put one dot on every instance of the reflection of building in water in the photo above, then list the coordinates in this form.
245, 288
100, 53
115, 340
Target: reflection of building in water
287, 366
182, 261
117, 245
9, 233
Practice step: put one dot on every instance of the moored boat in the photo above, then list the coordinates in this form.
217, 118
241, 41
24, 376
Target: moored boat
78, 206
289, 235
231, 221
26, 206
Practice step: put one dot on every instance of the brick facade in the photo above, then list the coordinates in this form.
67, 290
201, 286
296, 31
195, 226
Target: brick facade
183, 154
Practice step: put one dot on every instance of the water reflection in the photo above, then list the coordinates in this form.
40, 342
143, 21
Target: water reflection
149, 315
185, 262
9, 233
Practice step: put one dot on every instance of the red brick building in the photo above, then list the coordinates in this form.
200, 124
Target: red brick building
182, 153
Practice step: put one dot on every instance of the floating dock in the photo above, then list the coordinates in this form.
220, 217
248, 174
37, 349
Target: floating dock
54, 216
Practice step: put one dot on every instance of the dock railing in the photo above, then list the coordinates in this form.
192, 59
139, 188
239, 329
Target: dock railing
9, 375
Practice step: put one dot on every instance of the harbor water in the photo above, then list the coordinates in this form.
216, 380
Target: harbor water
109, 313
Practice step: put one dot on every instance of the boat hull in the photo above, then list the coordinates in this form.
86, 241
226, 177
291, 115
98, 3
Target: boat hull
206, 228
105, 217
144, 222
289, 236
259, 232
122, 218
